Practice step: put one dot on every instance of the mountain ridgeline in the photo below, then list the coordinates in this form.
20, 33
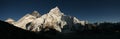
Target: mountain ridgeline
54, 19
60, 22
57, 25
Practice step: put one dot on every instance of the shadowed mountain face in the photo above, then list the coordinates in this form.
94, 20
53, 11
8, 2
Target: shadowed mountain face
8, 31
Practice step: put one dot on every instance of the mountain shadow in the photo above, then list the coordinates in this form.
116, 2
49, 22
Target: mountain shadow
8, 31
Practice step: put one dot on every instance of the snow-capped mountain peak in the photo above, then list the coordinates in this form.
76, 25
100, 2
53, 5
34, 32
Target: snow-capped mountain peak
36, 14
54, 19
56, 9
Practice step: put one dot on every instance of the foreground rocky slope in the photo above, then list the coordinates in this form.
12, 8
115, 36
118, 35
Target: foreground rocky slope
8, 31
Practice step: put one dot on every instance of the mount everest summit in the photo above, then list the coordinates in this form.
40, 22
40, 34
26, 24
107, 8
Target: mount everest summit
54, 19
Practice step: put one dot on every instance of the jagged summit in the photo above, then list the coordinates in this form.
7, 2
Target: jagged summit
36, 14
55, 11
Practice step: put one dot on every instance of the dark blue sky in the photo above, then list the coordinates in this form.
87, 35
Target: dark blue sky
90, 10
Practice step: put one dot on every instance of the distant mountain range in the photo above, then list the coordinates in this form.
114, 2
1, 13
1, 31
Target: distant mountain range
54, 19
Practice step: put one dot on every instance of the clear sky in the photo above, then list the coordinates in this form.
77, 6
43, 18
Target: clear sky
90, 10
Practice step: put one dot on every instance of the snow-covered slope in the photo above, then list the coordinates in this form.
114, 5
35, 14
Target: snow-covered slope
27, 19
24, 20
